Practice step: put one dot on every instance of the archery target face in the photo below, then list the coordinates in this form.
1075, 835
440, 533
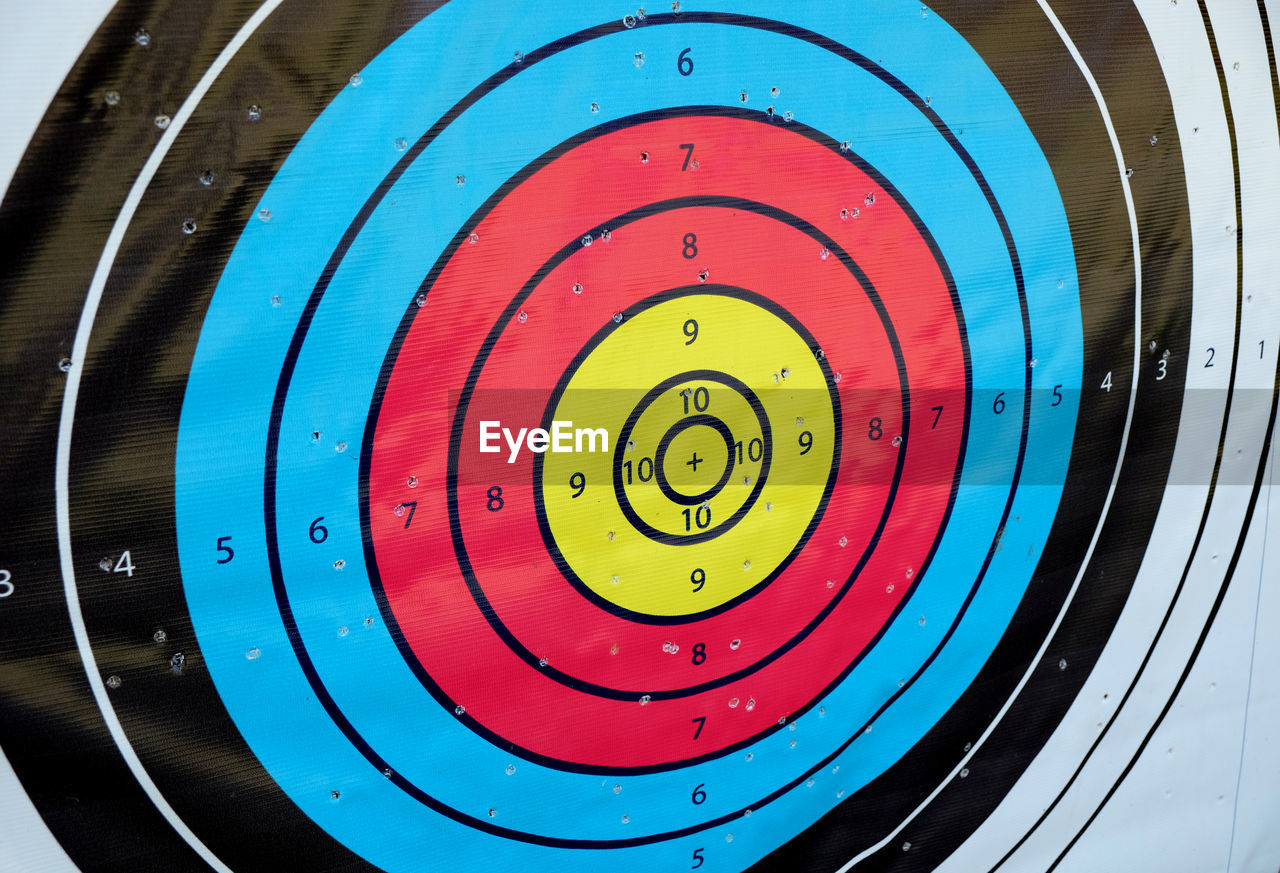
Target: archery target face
664, 440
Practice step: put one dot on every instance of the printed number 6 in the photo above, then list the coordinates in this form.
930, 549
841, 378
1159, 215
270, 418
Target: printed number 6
684, 63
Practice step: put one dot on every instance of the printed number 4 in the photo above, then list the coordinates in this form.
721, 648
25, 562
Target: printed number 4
125, 565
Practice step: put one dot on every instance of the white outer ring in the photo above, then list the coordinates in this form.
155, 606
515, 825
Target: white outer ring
67, 421
1115, 476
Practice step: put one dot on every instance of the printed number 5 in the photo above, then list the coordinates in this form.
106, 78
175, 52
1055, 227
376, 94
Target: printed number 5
698, 860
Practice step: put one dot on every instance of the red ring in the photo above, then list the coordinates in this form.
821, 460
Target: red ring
417, 570
623, 273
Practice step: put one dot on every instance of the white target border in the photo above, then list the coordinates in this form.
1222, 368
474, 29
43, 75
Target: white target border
40, 50
1153, 583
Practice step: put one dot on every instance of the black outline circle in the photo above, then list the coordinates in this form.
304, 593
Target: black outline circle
693, 538
701, 419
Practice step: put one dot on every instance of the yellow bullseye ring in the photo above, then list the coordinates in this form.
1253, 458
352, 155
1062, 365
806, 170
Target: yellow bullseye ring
738, 379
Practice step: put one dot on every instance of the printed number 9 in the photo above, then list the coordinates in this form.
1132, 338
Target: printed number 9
579, 481
699, 578
691, 331
806, 442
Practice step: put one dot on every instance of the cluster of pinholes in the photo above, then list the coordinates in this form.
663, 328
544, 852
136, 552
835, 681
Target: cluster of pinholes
123, 563
162, 118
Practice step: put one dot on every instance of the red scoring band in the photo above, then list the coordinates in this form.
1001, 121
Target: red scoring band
616, 652
583, 189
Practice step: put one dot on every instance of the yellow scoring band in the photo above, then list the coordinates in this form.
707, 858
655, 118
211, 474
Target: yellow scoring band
703, 545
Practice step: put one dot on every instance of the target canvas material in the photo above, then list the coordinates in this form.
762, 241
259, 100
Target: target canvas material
759, 437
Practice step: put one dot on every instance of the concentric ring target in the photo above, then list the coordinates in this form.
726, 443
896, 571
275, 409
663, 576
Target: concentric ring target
704, 438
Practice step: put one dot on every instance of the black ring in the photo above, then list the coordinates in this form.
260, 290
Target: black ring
692, 538
660, 456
